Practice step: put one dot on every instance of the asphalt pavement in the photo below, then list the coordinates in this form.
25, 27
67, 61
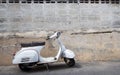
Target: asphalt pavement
92, 68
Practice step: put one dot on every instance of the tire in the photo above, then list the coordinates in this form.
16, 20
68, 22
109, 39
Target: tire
24, 67
69, 62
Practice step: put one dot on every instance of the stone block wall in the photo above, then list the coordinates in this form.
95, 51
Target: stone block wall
92, 31
18, 17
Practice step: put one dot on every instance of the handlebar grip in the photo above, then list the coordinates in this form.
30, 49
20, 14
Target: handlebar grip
58, 34
47, 38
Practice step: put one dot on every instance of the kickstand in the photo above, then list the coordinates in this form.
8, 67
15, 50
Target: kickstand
47, 66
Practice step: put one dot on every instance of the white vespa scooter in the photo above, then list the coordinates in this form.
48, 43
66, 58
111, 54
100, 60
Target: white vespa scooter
29, 55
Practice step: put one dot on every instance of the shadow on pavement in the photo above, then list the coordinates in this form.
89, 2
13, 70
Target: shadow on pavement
53, 67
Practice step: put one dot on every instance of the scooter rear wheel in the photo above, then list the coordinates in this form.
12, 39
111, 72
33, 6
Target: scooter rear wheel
69, 62
24, 67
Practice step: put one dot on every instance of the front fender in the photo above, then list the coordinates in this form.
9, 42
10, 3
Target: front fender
27, 56
68, 54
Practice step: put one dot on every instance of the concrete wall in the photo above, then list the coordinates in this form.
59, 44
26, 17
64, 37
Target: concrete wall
59, 16
92, 31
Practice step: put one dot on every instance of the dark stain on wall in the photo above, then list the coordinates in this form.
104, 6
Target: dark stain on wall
2, 20
116, 24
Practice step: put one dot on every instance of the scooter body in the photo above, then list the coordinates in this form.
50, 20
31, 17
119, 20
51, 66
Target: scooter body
29, 55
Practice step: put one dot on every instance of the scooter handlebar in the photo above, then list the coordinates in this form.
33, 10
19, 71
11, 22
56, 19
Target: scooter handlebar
55, 35
47, 38
58, 34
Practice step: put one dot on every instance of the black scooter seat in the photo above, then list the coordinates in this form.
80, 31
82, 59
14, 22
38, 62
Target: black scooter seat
32, 44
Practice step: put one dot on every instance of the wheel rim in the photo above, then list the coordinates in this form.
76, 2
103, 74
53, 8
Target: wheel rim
24, 67
69, 62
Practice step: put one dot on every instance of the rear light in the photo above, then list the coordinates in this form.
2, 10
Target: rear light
14, 53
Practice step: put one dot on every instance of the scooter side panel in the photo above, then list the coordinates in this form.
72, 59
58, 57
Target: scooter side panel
68, 54
27, 56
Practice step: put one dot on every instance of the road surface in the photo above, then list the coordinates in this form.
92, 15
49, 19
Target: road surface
101, 68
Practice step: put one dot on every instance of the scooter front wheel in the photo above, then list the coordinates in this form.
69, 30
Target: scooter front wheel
70, 62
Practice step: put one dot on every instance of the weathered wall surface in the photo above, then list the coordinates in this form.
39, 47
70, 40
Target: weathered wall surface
29, 17
88, 46
92, 31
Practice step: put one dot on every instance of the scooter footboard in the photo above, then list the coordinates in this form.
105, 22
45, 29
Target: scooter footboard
27, 56
68, 54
